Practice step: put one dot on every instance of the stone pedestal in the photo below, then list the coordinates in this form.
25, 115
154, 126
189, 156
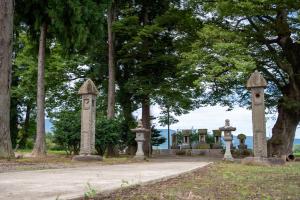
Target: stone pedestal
228, 139
256, 84
88, 92
140, 138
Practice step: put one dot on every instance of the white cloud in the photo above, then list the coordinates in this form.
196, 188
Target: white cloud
213, 117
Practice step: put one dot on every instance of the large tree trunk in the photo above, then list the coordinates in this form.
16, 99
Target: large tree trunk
40, 142
112, 150
283, 133
111, 61
6, 31
146, 124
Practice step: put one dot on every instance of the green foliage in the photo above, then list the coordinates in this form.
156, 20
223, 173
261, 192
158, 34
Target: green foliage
108, 132
156, 138
296, 148
210, 139
66, 132
91, 192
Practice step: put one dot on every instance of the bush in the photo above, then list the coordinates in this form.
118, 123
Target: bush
66, 132
108, 132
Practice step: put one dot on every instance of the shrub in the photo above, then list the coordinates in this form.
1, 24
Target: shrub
66, 133
108, 132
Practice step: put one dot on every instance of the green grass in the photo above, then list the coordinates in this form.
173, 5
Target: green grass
224, 181
297, 154
51, 152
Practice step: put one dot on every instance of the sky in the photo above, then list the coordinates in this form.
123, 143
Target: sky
213, 117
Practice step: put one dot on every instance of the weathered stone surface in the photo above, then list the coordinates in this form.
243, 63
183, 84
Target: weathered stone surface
88, 87
256, 80
186, 139
202, 135
87, 158
228, 139
88, 93
256, 84
140, 138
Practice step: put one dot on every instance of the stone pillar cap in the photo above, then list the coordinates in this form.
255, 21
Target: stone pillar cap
227, 126
140, 128
256, 80
88, 87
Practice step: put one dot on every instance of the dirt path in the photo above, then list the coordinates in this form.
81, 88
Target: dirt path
73, 182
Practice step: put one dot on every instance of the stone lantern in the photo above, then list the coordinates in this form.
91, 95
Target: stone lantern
228, 139
217, 135
140, 138
88, 92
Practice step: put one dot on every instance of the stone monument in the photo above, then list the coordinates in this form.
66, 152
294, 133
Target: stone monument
217, 135
88, 92
140, 138
186, 139
256, 84
228, 139
242, 139
202, 139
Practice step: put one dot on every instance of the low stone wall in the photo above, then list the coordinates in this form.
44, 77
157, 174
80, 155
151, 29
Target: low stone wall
190, 152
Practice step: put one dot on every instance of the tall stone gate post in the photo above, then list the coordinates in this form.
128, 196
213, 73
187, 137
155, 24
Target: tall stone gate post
88, 92
256, 84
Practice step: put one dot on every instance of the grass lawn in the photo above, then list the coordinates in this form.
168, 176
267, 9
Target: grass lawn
222, 181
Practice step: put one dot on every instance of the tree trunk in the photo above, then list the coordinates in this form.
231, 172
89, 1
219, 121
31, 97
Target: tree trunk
6, 31
40, 142
22, 142
111, 61
168, 110
283, 132
146, 124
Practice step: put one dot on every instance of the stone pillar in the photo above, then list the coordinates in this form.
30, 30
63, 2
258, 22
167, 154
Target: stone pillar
256, 84
140, 138
228, 139
88, 92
